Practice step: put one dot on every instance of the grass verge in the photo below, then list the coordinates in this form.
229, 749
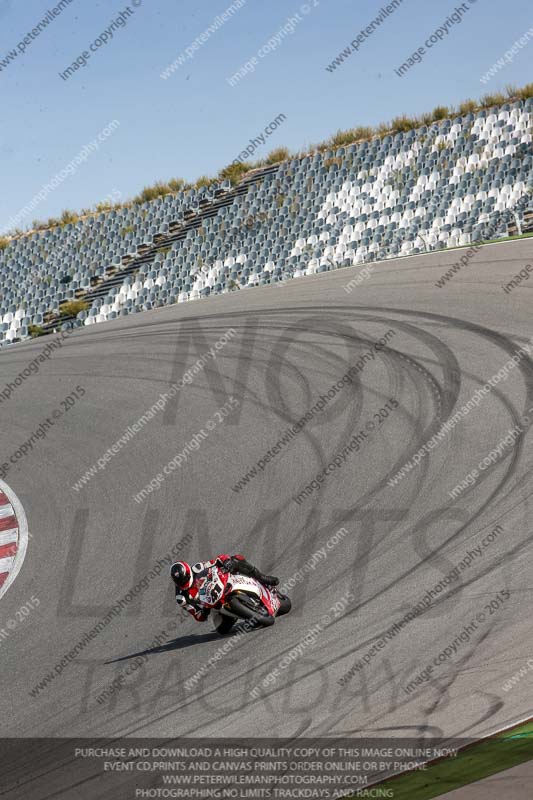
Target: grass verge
510, 238
480, 760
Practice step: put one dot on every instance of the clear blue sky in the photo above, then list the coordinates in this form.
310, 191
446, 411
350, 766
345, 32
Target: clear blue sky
195, 122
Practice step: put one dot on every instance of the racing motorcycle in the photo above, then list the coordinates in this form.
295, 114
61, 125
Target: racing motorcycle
234, 597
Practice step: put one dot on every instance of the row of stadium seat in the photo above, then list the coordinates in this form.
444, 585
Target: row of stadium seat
435, 187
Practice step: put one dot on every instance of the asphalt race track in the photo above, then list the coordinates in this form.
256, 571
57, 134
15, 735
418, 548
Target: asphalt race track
88, 548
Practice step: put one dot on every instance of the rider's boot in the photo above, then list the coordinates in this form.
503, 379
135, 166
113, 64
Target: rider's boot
267, 580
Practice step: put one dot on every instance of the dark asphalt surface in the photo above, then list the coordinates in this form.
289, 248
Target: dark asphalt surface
89, 548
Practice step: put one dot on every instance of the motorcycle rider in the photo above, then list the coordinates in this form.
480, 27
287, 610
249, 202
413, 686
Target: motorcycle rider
183, 575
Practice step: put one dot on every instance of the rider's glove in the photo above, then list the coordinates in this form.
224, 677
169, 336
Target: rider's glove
227, 564
233, 563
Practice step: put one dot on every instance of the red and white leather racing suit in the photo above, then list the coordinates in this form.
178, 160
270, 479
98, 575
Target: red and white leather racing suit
185, 598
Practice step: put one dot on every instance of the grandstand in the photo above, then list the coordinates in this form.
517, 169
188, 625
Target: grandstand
439, 186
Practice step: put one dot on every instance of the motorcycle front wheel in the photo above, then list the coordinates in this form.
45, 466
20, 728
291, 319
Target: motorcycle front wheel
224, 624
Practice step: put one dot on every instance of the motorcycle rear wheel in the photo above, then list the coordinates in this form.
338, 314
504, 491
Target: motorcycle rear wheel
246, 609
